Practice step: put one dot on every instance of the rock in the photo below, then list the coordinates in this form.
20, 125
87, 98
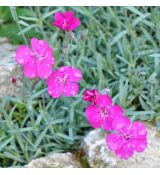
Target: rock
9, 69
99, 156
55, 160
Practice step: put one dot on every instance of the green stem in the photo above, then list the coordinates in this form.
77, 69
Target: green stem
67, 42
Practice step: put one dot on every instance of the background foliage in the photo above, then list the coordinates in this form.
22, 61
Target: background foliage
115, 47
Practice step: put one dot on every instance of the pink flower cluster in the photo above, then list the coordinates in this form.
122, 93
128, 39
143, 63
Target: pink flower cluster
124, 137
38, 61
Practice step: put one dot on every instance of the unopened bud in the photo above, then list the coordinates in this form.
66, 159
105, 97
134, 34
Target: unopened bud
14, 80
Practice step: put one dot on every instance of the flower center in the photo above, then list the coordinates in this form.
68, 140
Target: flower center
126, 136
39, 57
65, 25
103, 113
62, 80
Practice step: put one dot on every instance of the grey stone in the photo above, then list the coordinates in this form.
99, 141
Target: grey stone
99, 156
9, 69
55, 160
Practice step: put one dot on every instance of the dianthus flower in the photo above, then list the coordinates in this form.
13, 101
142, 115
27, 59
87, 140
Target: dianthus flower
66, 21
37, 61
64, 81
90, 95
103, 112
128, 137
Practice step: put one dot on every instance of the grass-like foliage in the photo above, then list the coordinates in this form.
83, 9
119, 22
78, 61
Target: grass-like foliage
115, 48
36, 124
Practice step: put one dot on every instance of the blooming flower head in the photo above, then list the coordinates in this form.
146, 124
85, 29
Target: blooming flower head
102, 113
66, 21
37, 61
90, 95
129, 137
64, 81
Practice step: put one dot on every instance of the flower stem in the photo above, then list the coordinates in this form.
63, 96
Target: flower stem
67, 43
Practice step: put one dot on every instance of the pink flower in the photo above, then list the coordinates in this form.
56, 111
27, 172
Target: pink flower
127, 138
102, 113
66, 21
90, 95
38, 61
64, 81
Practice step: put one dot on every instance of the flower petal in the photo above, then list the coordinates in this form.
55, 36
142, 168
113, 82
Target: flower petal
39, 46
121, 123
59, 16
55, 91
53, 81
116, 111
114, 141
70, 89
139, 145
107, 124
43, 70
23, 55
76, 75
125, 152
58, 24
75, 23
90, 95
30, 70
138, 130
93, 116
72, 74
68, 15
47, 56
104, 101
